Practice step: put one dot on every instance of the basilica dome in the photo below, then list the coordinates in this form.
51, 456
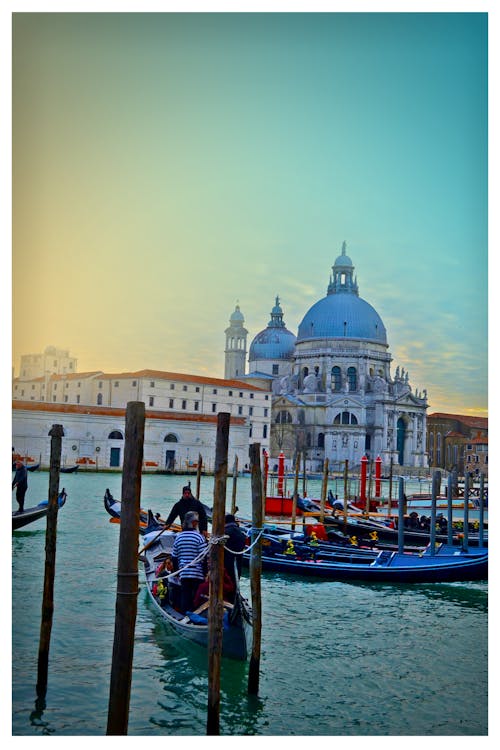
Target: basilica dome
342, 313
275, 341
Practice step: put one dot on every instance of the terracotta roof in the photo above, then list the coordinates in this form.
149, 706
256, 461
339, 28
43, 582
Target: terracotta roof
108, 411
161, 375
74, 375
477, 441
481, 422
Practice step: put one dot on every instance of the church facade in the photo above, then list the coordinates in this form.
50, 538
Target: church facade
333, 394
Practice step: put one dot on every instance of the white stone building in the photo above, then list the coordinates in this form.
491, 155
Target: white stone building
333, 395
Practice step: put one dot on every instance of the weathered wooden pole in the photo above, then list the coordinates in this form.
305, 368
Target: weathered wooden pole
198, 475
304, 473
256, 569
56, 435
449, 492
216, 575
466, 511
127, 586
346, 476
401, 515
436, 486
235, 481
323, 492
481, 511
295, 490
390, 488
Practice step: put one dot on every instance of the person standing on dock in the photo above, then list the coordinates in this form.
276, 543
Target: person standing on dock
20, 482
188, 503
188, 546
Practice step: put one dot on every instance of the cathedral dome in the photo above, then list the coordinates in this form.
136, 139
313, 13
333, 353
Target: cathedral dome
275, 341
342, 313
342, 316
237, 316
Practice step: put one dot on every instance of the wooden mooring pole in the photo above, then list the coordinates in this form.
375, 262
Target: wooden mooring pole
127, 576
216, 575
256, 568
235, 481
323, 492
401, 515
198, 475
56, 435
346, 477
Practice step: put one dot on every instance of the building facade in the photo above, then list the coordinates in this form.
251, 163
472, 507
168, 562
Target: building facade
448, 436
191, 402
333, 395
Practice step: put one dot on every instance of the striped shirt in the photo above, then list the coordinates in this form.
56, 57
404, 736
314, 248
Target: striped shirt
188, 545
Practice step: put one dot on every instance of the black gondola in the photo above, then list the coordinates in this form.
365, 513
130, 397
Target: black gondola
23, 518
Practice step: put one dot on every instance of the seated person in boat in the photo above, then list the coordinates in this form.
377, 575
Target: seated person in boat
188, 503
188, 559
413, 522
168, 591
202, 592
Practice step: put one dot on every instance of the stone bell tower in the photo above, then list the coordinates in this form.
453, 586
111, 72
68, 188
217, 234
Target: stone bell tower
236, 346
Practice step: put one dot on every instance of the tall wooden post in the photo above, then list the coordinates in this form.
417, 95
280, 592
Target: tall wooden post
401, 515
346, 476
295, 490
198, 475
390, 488
323, 492
436, 486
56, 435
481, 511
450, 508
256, 569
466, 510
216, 575
304, 490
235, 480
127, 586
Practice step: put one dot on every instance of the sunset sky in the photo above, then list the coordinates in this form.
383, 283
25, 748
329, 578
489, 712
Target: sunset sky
167, 166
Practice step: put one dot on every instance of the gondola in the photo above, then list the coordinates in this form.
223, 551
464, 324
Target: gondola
69, 469
448, 563
20, 519
237, 618
147, 522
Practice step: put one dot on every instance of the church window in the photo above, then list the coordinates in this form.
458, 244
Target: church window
438, 450
241, 394
336, 379
115, 435
321, 440
214, 408
152, 384
240, 410
264, 431
170, 403
431, 445
284, 417
352, 378
345, 417
170, 438
184, 403
184, 387
172, 386
230, 393
196, 405
250, 410
99, 399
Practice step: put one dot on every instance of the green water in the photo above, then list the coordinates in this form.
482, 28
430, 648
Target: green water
337, 658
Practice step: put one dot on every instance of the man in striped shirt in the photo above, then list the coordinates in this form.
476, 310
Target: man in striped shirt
188, 546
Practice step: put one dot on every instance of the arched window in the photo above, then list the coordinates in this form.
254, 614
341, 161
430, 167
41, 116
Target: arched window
352, 378
99, 399
170, 438
321, 440
336, 379
438, 450
345, 418
115, 435
284, 417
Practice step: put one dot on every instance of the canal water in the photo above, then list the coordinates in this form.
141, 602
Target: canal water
338, 658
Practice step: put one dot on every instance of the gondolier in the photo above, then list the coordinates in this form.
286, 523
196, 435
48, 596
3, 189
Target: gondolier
188, 546
20, 483
188, 503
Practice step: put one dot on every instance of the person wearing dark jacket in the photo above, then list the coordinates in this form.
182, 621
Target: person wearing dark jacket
236, 542
20, 482
188, 503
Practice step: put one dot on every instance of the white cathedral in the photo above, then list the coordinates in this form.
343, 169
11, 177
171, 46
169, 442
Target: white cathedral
332, 391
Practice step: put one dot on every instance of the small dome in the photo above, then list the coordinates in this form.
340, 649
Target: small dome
343, 260
237, 316
272, 343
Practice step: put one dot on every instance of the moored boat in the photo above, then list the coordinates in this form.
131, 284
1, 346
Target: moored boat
237, 618
69, 469
446, 564
23, 518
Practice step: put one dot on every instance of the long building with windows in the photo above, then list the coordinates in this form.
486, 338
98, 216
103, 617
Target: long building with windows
181, 416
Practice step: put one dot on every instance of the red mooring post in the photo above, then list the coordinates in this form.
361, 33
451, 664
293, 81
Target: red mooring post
378, 476
362, 484
281, 474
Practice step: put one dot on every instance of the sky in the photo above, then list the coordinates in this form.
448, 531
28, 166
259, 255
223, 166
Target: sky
168, 166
